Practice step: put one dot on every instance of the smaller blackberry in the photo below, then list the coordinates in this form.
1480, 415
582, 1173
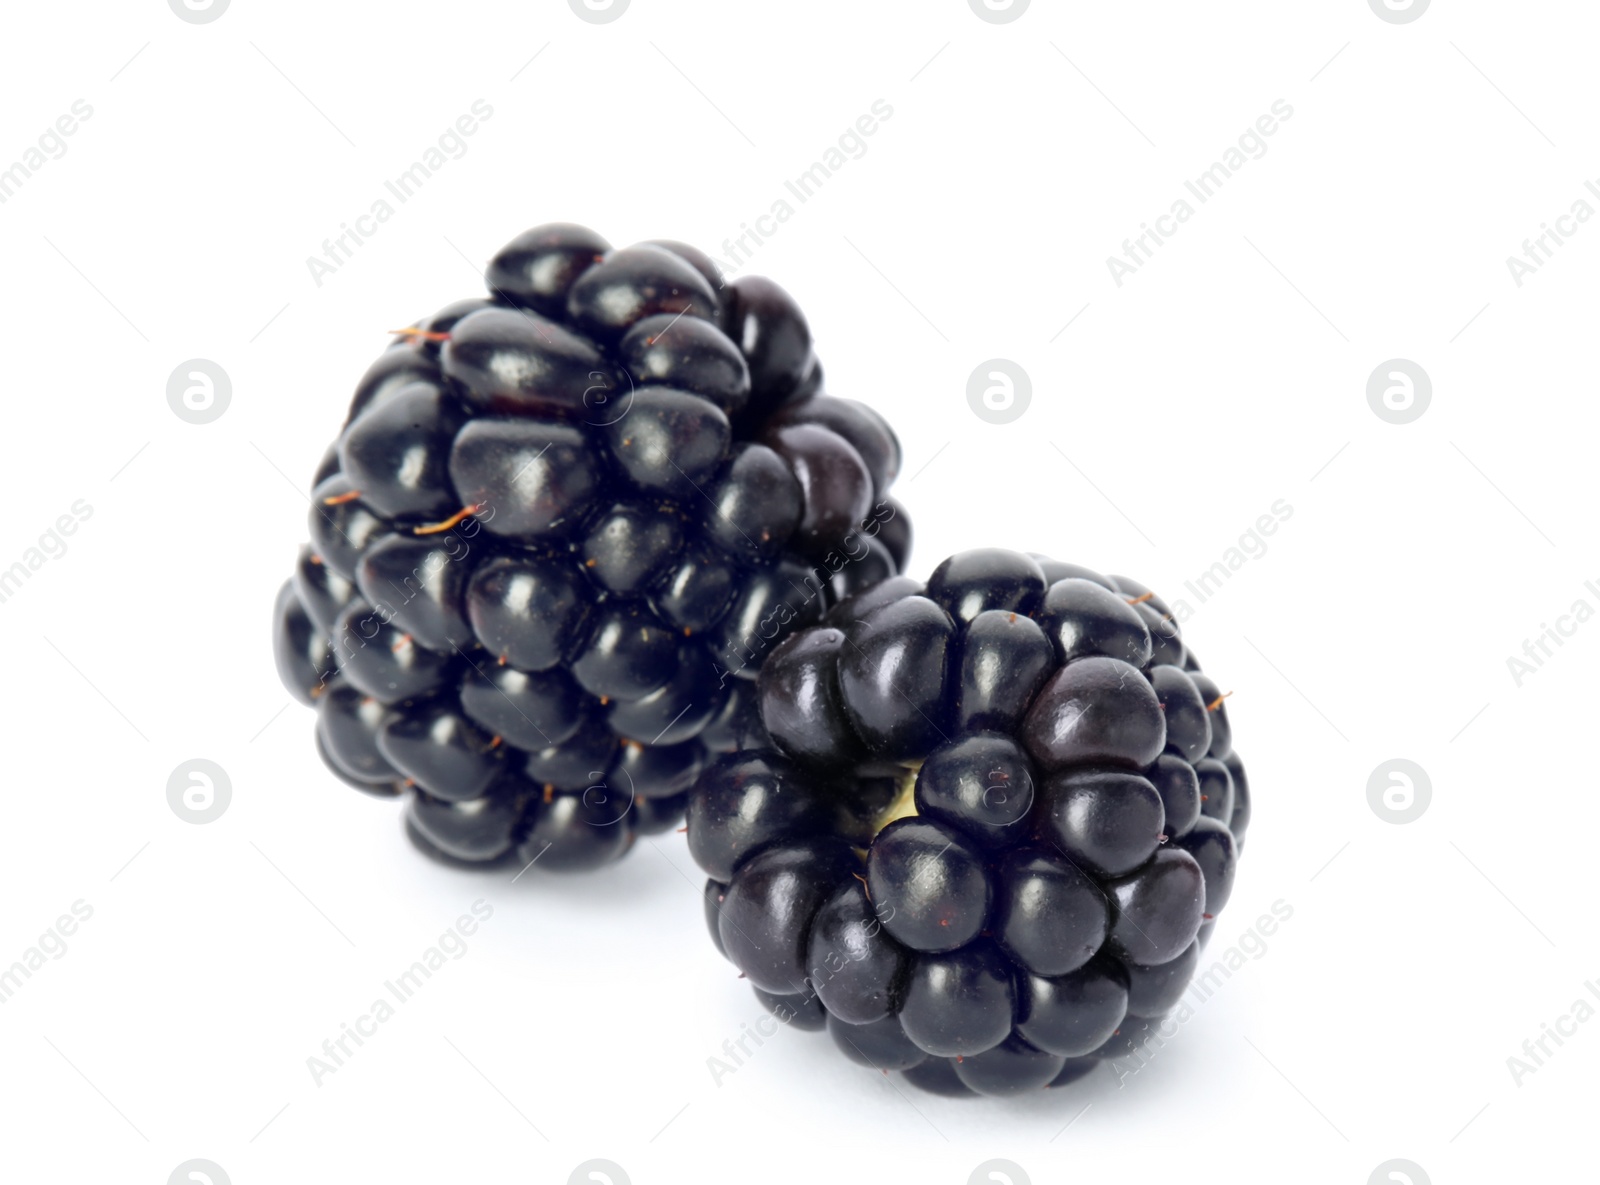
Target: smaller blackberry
985, 826
563, 524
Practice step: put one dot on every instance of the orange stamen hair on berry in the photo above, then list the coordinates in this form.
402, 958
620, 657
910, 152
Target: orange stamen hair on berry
454, 520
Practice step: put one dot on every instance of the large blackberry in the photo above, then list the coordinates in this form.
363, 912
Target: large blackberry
988, 827
561, 528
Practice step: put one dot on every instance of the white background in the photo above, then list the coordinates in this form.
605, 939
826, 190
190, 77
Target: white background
1228, 373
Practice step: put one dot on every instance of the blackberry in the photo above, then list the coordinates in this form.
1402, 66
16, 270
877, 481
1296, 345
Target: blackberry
560, 529
984, 826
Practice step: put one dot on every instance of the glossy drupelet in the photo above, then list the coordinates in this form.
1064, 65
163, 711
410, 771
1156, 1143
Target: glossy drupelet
562, 526
984, 828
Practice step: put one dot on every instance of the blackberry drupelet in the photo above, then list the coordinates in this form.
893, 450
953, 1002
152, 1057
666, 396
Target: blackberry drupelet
561, 528
987, 827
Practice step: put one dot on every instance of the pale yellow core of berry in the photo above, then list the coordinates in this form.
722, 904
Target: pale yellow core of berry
904, 804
